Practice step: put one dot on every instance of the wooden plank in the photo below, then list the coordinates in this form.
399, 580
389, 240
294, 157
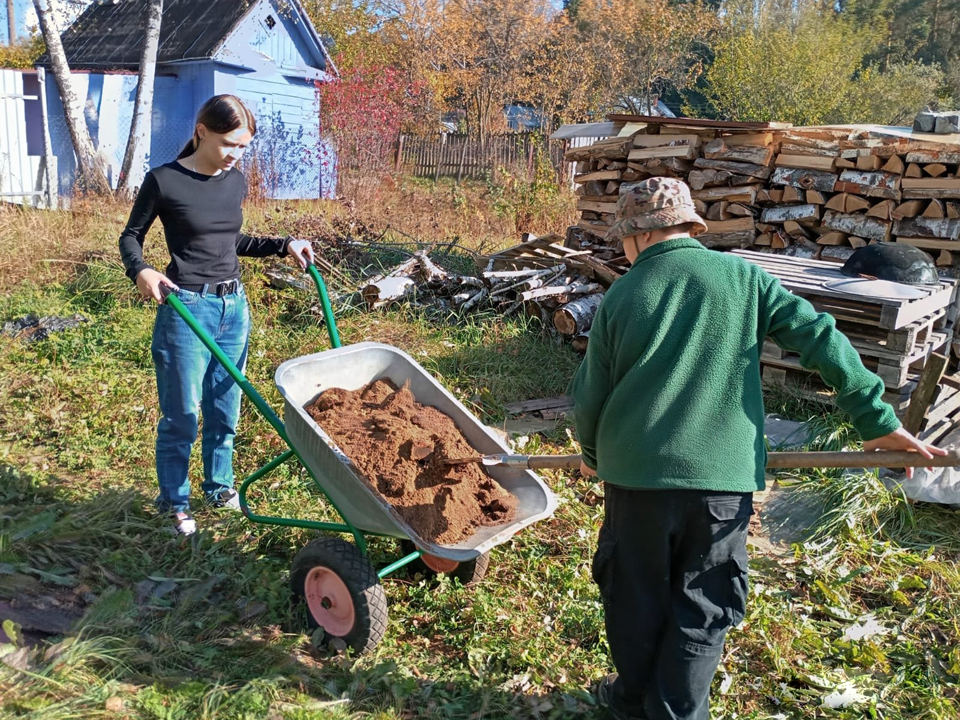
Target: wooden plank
697, 122
757, 139
932, 156
923, 394
743, 193
560, 402
930, 243
678, 151
808, 162
597, 176
806, 179
649, 141
600, 207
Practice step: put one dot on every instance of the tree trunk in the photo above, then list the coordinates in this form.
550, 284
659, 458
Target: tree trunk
11, 22
138, 143
90, 167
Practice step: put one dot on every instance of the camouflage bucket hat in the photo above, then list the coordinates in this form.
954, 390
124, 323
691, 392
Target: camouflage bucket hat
654, 204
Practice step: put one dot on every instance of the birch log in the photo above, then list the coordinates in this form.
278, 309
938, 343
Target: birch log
577, 316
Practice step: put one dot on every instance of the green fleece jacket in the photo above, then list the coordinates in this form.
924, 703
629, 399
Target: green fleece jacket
669, 396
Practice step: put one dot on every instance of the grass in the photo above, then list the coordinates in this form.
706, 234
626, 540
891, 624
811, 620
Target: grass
172, 629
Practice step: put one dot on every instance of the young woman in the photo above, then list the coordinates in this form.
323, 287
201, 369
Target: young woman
198, 199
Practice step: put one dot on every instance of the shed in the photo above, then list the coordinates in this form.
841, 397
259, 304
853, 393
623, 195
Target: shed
266, 52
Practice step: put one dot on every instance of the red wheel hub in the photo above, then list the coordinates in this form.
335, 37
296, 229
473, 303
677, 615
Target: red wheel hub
329, 601
439, 564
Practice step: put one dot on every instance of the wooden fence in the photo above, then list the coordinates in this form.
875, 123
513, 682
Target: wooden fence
460, 157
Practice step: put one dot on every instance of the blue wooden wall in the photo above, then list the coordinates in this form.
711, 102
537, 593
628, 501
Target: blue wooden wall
271, 68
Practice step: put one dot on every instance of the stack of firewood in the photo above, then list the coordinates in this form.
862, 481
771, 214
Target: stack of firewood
808, 192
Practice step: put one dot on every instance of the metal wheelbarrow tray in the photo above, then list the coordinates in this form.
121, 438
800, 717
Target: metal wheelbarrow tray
336, 580
303, 379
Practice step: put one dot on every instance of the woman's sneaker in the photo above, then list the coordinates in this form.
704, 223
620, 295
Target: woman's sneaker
225, 499
184, 524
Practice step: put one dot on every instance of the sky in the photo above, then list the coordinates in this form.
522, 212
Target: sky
26, 16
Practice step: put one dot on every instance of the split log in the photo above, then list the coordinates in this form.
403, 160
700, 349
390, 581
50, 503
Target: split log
609, 148
859, 225
945, 259
718, 149
844, 164
926, 227
935, 169
761, 172
953, 211
576, 316
731, 226
797, 213
871, 184
856, 242
387, 291
790, 194
579, 342
580, 288
473, 300
913, 171
935, 210
716, 211
738, 210
795, 229
735, 239
600, 207
699, 179
894, 165
806, 179
613, 187
832, 238
908, 208
793, 149
812, 143
837, 254
815, 197
526, 272
882, 210
869, 163
666, 140
930, 243
669, 166
763, 239
669, 151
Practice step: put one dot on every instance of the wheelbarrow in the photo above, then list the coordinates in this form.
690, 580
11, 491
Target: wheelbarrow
335, 578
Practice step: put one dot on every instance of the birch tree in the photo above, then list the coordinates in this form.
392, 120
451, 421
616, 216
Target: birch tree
11, 22
90, 166
138, 143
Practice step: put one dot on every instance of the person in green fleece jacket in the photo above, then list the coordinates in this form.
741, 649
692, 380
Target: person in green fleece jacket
669, 414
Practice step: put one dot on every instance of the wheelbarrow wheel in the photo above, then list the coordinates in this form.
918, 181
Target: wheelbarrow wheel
469, 572
342, 592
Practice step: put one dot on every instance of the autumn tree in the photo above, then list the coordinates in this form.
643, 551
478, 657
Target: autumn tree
821, 73
643, 47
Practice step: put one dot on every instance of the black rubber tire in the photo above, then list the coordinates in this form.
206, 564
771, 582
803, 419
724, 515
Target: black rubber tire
356, 572
469, 573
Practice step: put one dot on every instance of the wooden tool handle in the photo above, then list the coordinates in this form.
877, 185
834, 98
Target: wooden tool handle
879, 459
777, 460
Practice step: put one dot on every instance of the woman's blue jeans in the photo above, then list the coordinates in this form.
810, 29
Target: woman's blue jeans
191, 382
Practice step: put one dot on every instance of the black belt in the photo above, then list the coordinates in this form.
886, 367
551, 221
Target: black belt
219, 289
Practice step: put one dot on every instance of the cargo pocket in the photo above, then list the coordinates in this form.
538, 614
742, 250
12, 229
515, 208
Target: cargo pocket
603, 559
739, 586
730, 518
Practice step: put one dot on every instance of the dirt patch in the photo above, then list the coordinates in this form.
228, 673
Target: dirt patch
399, 446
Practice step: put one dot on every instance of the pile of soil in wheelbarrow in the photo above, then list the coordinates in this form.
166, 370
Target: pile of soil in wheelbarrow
400, 447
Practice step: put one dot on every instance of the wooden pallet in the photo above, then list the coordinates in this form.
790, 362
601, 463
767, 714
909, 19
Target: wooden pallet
808, 278
810, 387
943, 416
895, 369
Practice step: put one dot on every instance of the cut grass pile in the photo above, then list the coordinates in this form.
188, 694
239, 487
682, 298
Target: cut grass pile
864, 617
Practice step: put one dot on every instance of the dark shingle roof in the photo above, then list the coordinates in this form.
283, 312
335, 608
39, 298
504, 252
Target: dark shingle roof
109, 34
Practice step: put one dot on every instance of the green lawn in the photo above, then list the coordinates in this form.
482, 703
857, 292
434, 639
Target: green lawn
205, 628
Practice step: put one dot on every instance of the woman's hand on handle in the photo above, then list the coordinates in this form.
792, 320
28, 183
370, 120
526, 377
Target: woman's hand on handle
301, 251
900, 439
150, 283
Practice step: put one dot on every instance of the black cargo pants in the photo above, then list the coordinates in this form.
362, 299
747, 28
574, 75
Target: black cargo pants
672, 571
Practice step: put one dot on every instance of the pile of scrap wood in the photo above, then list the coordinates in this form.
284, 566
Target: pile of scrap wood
815, 192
